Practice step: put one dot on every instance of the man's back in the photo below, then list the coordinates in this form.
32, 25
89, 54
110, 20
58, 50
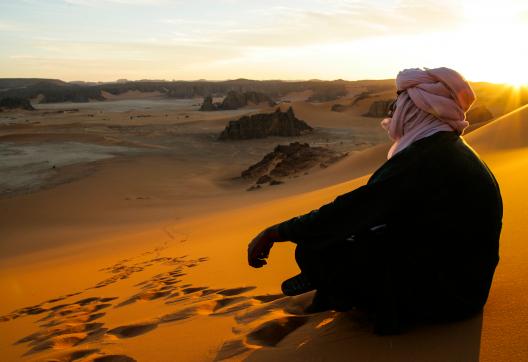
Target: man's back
452, 222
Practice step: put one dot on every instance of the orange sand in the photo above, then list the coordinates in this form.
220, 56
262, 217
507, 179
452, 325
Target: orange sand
183, 290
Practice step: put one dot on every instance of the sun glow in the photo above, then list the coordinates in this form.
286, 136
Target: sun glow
496, 30
482, 39
518, 83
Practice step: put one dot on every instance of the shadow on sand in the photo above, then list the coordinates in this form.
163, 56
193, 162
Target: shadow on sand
346, 337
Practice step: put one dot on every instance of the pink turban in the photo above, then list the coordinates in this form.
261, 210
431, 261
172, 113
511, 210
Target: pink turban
434, 100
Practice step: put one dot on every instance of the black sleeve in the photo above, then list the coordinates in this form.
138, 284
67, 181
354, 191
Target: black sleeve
359, 210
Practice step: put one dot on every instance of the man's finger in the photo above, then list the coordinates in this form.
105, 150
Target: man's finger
258, 263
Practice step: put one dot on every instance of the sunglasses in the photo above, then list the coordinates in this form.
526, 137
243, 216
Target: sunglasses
392, 105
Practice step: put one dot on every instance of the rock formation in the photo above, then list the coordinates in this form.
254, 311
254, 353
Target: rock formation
236, 100
478, 117
16, 103
338, 108
265, 124
361, 96
289, 160
208, 105
478, 114
328, 92
344, 107
378, 108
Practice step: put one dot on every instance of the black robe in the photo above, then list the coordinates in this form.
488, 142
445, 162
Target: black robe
420, 240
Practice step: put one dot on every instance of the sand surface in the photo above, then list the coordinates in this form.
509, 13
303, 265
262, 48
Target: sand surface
143, 256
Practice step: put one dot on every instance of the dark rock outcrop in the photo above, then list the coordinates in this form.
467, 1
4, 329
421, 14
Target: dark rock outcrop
477, 117
257, 97
478, 114
338, 108
265, 124
378, 108
16, 103
361, 96
208, 105
289, 160
236, 100
233, 100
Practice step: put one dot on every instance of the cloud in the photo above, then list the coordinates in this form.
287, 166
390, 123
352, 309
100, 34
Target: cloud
10, 26
330, 22
119, 2
288, 26
228, 35
146, 51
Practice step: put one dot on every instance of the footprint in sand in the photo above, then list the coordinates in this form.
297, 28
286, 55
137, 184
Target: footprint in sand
233, 309
235, 291
65, 326
262, 310
266, 298
68, 325
74, 355
123, 269
58, 342
179, 315
209, 302
267, 334
146, 295
164, 285
272, 332
133, 330
114, 358
231, 349
227, 301
190, 290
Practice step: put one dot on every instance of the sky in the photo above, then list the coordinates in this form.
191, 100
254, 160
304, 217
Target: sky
106, 40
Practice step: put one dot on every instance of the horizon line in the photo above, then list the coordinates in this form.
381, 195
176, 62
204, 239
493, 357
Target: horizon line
126, 80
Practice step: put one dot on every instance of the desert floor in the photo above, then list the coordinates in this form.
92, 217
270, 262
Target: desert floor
124, 231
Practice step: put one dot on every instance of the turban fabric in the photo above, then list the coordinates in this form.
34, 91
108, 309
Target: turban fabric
430, 101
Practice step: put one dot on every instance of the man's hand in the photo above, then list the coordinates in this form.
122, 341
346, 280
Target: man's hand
260, 246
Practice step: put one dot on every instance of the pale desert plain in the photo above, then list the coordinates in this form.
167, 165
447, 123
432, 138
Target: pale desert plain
124, 230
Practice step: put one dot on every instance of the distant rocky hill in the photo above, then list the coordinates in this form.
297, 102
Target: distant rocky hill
289, 160
265, 124
328, 92
378, 108
343, 107
11, 83
52, 90
477, 117
16, 103
236, 100
478, 114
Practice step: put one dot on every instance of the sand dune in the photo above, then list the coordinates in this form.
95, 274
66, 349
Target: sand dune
509, 132
504, 145
158, 289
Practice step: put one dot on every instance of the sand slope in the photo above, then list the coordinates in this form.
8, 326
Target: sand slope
180, 289
504, 145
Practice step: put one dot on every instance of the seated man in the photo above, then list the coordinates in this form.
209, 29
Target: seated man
420, 240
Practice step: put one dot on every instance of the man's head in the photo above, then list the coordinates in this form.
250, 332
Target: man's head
429, 101
441, 92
